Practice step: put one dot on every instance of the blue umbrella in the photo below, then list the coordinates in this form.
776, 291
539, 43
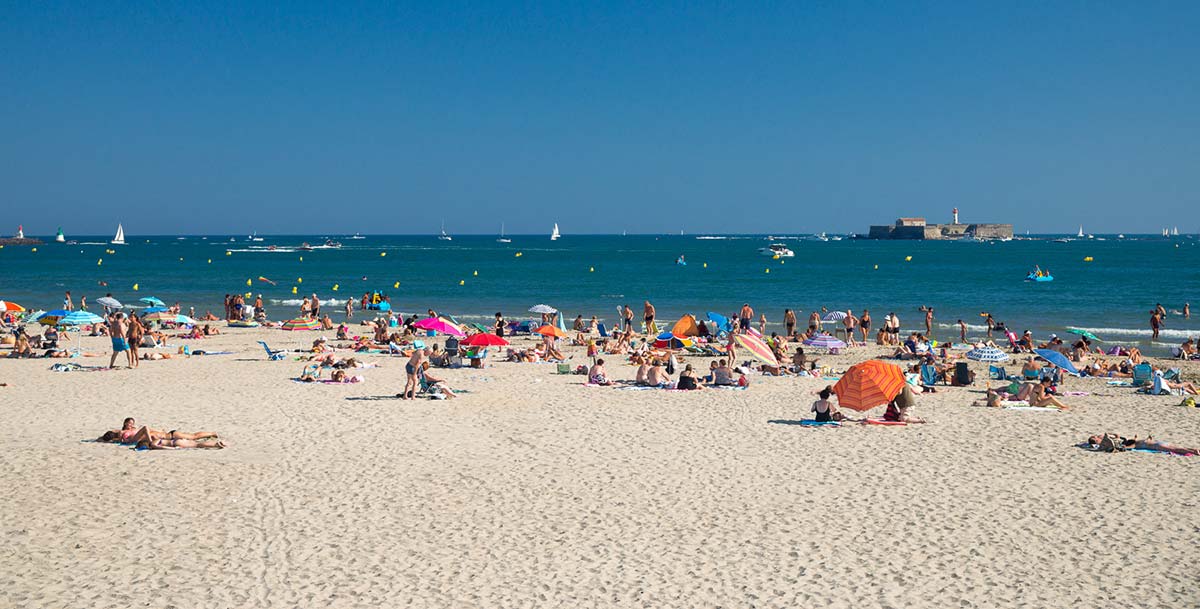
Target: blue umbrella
1058, 359
670, 341
148, 310
721, 321
80, 318
150, 300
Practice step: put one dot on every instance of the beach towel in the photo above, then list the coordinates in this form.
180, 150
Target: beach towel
1033, 408
879, 421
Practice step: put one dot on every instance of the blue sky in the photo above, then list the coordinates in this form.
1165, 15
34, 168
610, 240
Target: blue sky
213, 117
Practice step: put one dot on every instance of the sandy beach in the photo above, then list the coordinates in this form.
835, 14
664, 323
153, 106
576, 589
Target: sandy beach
534, 490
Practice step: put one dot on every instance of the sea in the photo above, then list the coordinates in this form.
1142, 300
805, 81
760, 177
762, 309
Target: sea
1106, 285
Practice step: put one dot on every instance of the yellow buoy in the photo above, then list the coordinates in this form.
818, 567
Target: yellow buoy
591, 269
299, 280
335, 287
877, 267
1088, 259
181, 258
705, 265
782, 261
462, 282
210, 260
908, 258
99, 262
302, 259
775, 257
249, 282
35, 249
382, 253
293, 289
249, 294
396, 285
766, 270
228, 253
135, 287
476, 273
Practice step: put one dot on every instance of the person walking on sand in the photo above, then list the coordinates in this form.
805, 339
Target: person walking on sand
1155, 323
83, 303
315, 307
929, 321
789, 322
962, 331
627, 315
850, 322
134, 339
648, 316
745, 316
864, 324
412, 368
67, 304
116, 330
349, 308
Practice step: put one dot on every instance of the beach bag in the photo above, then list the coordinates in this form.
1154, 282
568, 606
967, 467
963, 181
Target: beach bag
1188, 402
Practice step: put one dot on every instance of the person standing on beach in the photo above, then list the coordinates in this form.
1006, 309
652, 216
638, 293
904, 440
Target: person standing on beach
814, 321
67, 304
962, 331
762, 324
789, 322
991, 324
349, 308
116, 330
414, 367
648, 316
499, 325
929, 321
627, 316
134, 338
745, 316
83, 303
850, 322
1155, 323
316, 307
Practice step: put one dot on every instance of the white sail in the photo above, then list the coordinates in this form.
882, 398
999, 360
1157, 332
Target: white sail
1080, 235
502, 238
119, 238
59, 237
1175, 232
554, 235
444, 236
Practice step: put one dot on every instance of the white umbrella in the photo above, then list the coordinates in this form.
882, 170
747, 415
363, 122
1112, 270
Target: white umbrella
987, 354
109, 302
544, 309
834, 316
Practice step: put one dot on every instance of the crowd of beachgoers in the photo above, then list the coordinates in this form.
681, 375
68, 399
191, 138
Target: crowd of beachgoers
738, 347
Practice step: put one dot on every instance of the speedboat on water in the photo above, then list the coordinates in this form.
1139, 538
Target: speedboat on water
330, 243
305, 247
776, 249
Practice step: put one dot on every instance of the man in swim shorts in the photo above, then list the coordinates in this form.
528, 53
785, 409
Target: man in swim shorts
117, 329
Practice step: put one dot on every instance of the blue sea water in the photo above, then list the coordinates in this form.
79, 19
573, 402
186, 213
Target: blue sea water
593, 274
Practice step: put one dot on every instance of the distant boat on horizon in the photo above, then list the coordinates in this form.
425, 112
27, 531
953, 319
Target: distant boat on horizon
1080, 234
254, 237
356, 236
444, 236
119, 238
554, 236
502, 238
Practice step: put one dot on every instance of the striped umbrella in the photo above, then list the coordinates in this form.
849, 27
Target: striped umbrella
757, 348
300, 324
834, 316
1084, 333
174, 318
869, 384
987, 354
543, 309
79, 318
824, 341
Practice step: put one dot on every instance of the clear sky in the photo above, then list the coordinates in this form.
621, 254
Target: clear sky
207, 117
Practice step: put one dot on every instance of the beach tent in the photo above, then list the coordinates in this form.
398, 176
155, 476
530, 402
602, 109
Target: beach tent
686, 326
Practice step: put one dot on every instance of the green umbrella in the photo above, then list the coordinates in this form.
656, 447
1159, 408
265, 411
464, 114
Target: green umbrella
1084, 333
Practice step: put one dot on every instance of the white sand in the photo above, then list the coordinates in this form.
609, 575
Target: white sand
534, 491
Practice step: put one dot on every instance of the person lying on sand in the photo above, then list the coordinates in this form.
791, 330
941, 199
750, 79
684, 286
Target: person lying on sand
177, 443
130, 433
1113, 443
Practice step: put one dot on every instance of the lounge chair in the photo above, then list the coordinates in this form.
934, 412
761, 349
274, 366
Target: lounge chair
273, 354
476, 357
602, 330
1143, 375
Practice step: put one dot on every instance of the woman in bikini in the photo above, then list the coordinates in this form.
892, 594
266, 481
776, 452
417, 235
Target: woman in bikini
1113, 443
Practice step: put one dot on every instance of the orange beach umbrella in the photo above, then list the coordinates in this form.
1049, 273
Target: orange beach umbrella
869, 384
11, 306
549, 330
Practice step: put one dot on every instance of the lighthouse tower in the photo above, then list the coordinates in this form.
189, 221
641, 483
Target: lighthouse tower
956, 215
20, 232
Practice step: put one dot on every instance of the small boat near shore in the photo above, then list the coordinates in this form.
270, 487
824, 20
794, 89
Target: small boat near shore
777, 250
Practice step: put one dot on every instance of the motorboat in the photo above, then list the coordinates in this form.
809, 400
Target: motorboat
357, 236
777, 250
332, 244
305, 247
254, 237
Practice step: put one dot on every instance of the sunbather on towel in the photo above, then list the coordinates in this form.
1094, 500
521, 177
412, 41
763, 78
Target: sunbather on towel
130, 433
1114, 443
177, 443
597, 375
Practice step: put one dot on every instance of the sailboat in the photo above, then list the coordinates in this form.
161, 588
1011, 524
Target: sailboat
119, 238
554, 235
1175, 232
254, 237
502, 238
444, 236
357, 236
1080, 234
59, 237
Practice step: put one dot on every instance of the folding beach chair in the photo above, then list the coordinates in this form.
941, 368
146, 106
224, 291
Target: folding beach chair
930, 375
273, 354
564, 368
1143, 374
603, 331
998, 373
